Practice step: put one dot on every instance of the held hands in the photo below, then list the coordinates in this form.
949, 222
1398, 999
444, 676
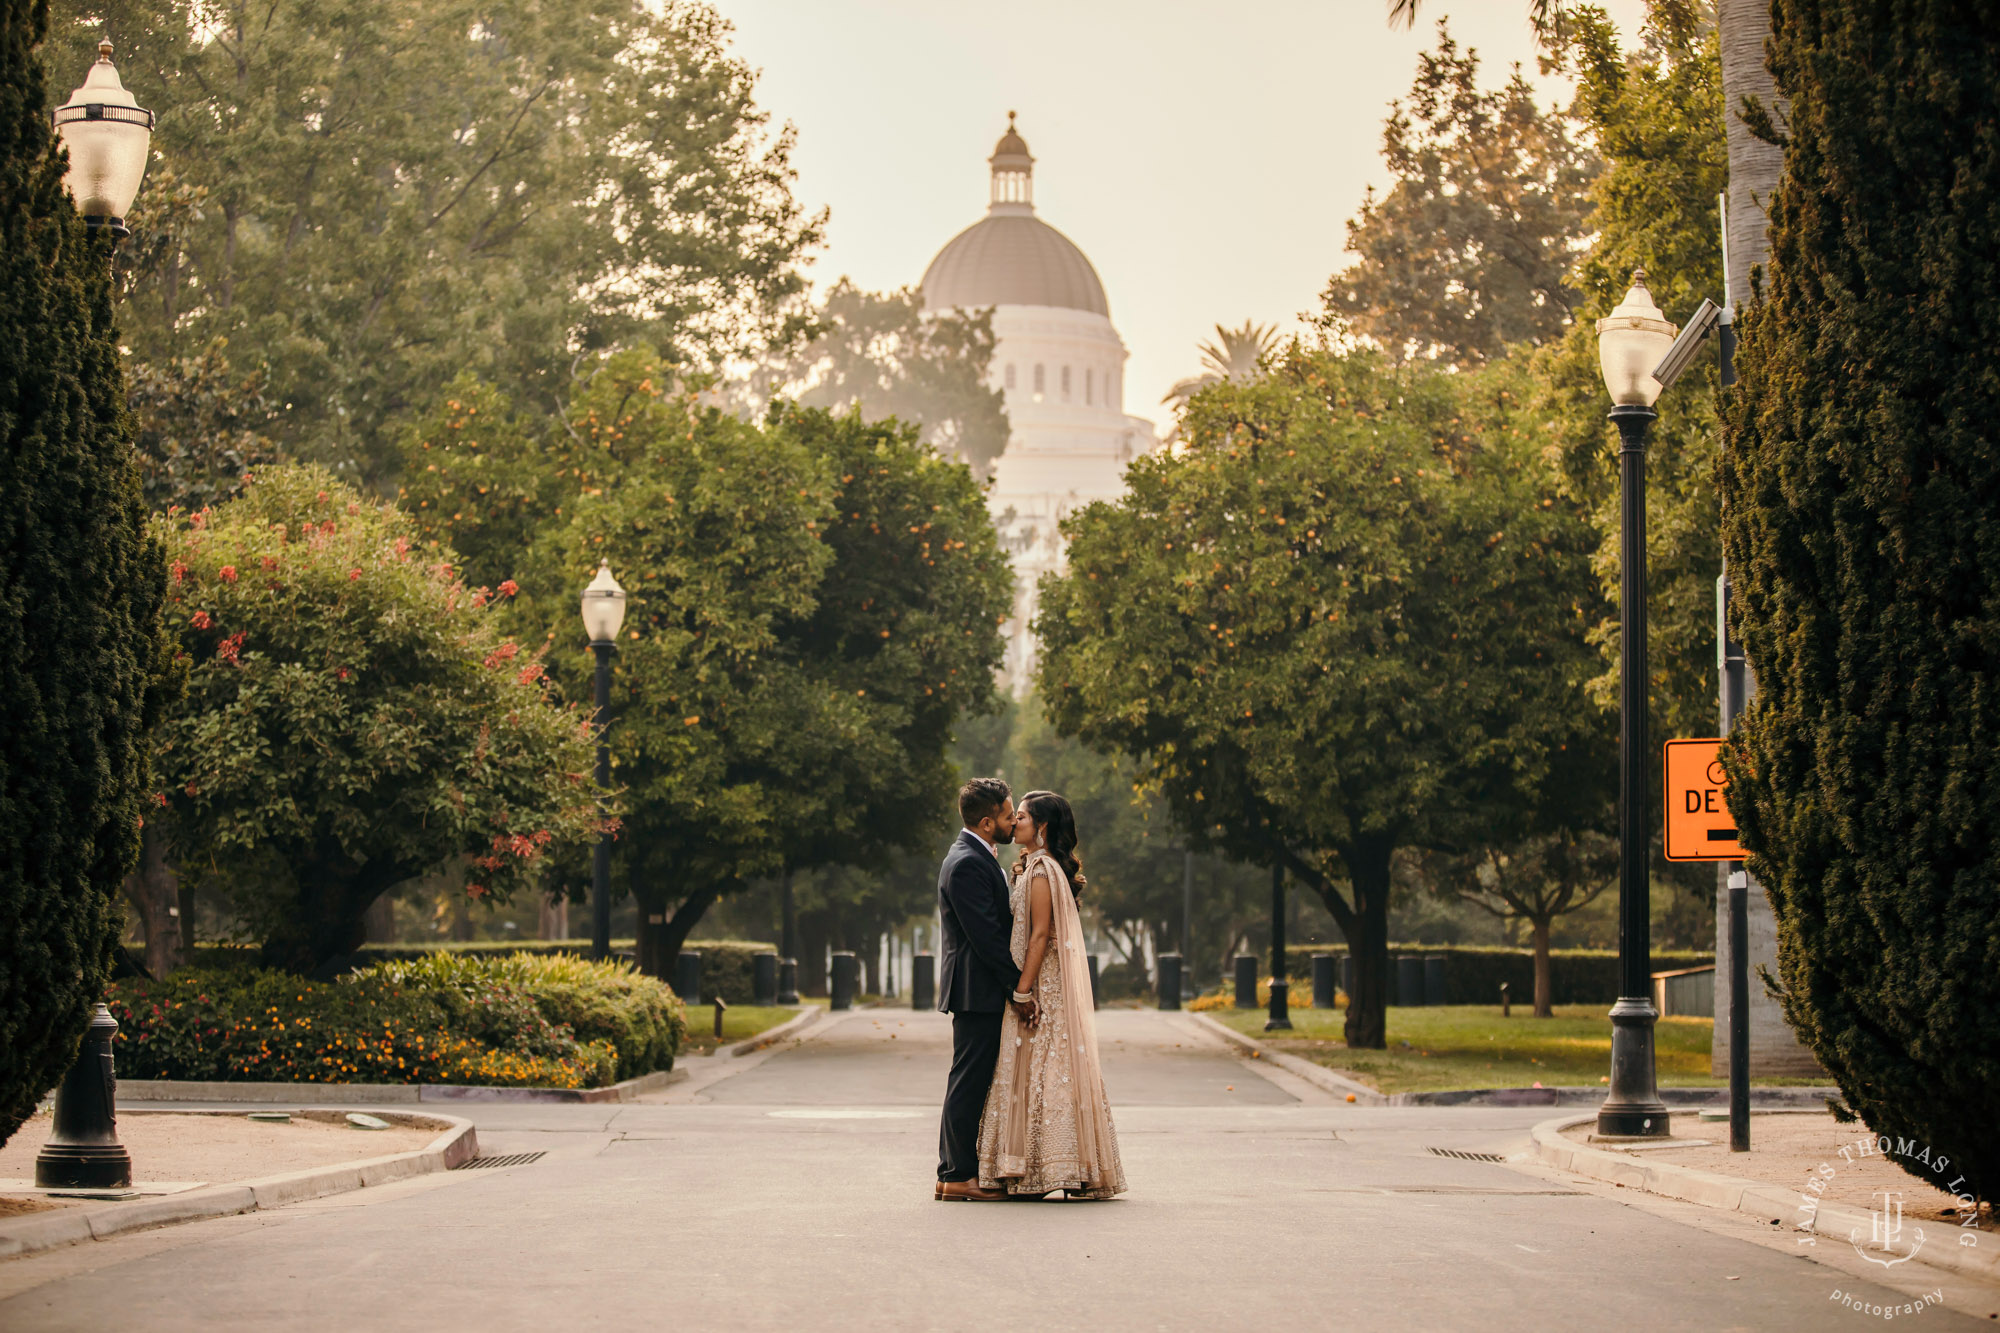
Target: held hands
1026, 1007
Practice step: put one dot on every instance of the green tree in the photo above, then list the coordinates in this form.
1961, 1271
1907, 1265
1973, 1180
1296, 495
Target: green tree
1859, 489
1656, 116
1470, 251
82, 654
392, 191
354, 718
880, 354
815, 603
1536, 880
1347, 619
199, 426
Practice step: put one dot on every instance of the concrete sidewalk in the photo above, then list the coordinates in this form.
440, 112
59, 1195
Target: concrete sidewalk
797, 1194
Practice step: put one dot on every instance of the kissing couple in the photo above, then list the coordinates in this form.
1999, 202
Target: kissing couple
1025, 1113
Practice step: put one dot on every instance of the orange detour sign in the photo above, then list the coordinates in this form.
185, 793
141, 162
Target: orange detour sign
1699, 825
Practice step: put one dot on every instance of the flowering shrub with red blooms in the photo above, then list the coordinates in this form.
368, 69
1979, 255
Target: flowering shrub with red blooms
354, 714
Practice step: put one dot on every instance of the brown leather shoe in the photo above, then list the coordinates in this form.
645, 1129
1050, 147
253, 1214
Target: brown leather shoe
967, 1191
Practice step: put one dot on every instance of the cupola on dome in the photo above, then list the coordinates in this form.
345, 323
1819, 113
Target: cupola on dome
1012, 257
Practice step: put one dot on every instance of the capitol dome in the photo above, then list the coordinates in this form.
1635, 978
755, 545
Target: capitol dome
1060, 367
1012, 257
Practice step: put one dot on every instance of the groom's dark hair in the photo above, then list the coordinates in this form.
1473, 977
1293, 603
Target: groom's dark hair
981, 797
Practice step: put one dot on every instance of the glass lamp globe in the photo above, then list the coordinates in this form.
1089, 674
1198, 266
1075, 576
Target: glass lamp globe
107, 134
603, 606
1630, 342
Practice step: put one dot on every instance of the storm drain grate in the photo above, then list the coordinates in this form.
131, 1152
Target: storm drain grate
511, 1159
1468, 1156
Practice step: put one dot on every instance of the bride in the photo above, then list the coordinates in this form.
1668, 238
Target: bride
1047, 1124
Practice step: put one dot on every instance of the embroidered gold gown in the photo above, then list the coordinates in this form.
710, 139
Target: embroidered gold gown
1047, 1124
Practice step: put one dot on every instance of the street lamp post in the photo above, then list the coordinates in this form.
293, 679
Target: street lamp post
1281, 986
1631, 341
108, 136
603, 614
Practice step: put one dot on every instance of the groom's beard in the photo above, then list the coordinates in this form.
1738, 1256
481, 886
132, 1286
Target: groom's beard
1002, 836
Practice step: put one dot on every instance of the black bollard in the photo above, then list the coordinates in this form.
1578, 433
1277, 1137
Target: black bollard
923, 981
1434, 978
1093, 981
687, 976
846, 976
720, 1005
1506, 1005
84, 1152
1409, 980
788, 981
764, 979
1322, 981
1246, 981
1169, 979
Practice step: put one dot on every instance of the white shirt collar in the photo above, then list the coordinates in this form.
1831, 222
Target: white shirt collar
993, 850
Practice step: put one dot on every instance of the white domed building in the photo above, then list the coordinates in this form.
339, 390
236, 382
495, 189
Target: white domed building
1061, 365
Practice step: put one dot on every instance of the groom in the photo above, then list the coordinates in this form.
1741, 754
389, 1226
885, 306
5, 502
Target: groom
979, 980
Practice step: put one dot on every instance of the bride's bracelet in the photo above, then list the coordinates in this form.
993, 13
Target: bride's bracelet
1022, 997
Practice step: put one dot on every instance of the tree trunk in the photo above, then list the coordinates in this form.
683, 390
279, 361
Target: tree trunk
667, 937
378, 923
553, 921
1367, 1005
334, 893
814, 930
154, 889
184, 891
1544, 991
1754, 166
871, 964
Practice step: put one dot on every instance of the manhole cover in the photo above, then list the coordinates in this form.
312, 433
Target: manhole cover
1467, 1156
510, 1159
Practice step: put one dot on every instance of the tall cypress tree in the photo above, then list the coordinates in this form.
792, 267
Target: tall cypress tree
81, 587
1862, 527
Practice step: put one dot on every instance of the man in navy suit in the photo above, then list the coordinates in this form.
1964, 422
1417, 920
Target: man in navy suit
979, 978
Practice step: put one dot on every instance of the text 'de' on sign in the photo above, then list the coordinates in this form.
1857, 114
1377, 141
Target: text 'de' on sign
1699, 825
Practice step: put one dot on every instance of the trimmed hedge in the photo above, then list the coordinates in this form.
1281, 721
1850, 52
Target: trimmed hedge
640, 1018
726, 966
1473, 973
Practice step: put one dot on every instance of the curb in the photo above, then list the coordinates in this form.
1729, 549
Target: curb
32, 1234
1771, 1203
808, 1015
1317, 1075
384, 1094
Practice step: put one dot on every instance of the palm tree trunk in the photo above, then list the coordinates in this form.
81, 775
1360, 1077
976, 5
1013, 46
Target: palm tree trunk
1754, 166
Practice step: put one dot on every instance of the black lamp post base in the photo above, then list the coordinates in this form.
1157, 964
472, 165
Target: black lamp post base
83, 1166
1633, 1109
1281, 1018
788, 981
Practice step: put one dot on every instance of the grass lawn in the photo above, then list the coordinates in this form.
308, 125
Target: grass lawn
739, 1021
1471, 1046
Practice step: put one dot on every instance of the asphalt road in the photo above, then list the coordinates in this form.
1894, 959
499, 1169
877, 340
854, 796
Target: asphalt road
795, 1193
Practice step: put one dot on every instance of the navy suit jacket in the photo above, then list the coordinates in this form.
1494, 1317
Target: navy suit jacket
978, 967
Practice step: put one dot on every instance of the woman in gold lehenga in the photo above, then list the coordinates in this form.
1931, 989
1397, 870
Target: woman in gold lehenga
1047, 1124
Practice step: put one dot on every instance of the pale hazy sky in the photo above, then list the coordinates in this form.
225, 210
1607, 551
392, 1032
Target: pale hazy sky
1205, 156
